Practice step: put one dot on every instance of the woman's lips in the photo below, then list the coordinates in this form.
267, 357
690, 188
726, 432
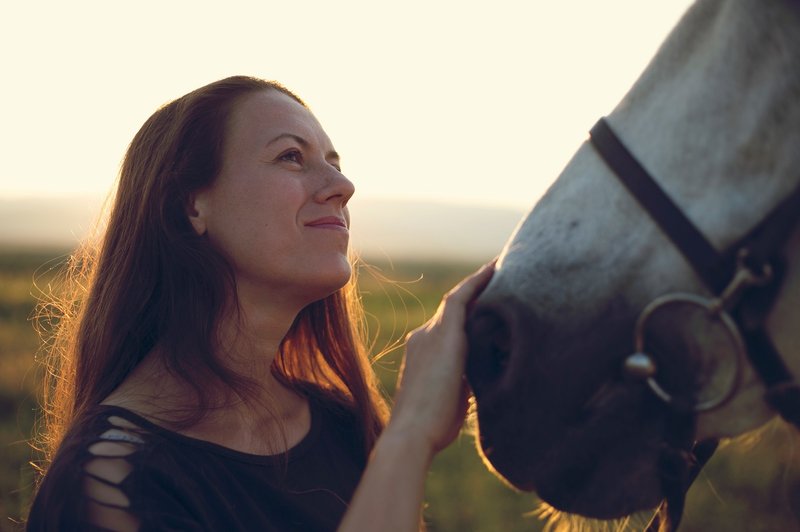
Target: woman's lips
329, 222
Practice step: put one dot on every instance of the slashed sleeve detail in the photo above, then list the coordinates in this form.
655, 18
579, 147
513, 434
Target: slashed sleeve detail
104, 478
108, 506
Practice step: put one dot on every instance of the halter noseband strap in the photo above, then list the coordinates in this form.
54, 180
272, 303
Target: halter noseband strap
758, 251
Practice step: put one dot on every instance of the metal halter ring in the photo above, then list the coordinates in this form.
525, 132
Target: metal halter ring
641, 365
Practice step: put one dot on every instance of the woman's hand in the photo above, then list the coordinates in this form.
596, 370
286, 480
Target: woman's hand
431, 396
430, 403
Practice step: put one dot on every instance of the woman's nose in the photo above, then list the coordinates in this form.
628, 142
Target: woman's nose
335, 186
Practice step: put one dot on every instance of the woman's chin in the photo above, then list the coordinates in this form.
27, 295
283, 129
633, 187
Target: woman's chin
319, 285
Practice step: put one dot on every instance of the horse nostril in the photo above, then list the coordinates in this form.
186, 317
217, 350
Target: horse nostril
490, 348
501, 339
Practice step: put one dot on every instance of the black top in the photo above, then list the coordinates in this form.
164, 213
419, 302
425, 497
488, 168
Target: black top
116, 468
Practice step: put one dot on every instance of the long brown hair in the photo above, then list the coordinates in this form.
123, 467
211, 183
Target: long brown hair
153, 280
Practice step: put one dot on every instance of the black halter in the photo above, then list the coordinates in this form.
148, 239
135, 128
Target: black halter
758, 251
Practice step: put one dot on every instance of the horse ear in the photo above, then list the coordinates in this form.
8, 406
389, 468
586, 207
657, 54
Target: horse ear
197, 211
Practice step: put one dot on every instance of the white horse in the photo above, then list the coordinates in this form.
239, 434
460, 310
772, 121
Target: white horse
589, 278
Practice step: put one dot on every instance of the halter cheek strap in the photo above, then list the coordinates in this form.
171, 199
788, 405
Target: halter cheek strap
681, 231
758, 251
761, 247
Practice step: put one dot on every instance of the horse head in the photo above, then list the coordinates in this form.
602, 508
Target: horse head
715, 119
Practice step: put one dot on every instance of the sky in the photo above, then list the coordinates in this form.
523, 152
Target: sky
473, 103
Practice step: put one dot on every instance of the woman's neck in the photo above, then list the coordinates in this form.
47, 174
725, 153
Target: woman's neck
267, 419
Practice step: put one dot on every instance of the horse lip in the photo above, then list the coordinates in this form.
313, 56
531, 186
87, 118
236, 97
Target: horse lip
573, 429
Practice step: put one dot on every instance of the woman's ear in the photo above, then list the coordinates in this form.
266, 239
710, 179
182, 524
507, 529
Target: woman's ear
197, 209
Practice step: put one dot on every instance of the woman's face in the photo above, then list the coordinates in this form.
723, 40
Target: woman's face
277, 210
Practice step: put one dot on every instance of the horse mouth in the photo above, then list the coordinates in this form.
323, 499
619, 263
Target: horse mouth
599, 467
591, 453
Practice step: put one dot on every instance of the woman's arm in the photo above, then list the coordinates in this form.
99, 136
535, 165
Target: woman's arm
430, 404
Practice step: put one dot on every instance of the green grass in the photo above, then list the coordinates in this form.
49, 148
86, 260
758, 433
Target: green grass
18, 385
745, 487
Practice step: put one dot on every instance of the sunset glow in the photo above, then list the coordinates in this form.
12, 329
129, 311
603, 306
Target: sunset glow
465, 102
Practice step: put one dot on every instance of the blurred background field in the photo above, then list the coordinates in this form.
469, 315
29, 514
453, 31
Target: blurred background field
749, 486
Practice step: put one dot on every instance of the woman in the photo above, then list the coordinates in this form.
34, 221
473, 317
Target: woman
213, 377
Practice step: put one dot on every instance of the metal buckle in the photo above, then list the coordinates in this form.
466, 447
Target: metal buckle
642, 366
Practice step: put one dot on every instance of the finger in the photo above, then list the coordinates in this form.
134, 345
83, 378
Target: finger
470, 287
455, 303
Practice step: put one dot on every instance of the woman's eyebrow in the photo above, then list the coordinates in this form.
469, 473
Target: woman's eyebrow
302, 142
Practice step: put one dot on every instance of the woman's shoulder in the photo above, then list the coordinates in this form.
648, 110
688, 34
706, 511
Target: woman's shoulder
103, 432
95, 477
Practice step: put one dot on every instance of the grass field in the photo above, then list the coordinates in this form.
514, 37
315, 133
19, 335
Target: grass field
752, 486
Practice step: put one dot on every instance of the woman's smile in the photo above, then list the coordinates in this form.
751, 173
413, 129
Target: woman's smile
333, 223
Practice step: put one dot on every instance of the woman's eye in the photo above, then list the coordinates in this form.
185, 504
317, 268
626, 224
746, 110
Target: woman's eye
293, 156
